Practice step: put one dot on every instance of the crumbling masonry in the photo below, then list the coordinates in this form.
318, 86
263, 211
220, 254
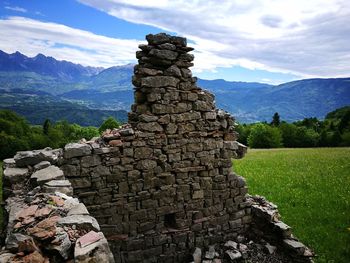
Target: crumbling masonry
163, 184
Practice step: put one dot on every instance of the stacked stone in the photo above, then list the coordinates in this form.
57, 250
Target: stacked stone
164, 184
46, 224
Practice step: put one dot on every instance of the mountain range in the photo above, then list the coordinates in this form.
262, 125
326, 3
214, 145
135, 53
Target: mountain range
31, 85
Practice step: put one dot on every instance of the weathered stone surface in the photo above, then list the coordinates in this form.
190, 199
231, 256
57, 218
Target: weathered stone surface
25, 158
163, 54
81, 221
42, 165
79, 209
97, 251
63, 186
47, 174
159, 81
61, 243
76, 149
44, 229
15, 175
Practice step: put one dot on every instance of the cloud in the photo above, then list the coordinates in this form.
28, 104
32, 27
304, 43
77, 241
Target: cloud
64, 43
305, 38
16, 9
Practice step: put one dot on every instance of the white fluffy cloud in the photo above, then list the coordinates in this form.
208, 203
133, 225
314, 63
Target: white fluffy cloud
65, 43
16, 9
307, 38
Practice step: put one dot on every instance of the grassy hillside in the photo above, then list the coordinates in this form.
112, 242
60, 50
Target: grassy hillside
312, 190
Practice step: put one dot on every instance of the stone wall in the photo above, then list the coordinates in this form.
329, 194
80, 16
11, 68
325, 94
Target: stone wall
163, 184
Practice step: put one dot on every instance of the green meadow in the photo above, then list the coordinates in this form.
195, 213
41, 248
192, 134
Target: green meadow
312, 190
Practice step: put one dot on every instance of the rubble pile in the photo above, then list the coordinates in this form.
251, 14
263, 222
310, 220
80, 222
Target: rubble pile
45, 223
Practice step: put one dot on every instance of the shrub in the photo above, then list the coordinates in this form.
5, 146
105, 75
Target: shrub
264, 136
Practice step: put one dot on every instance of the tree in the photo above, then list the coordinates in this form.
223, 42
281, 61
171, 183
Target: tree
264, 136
110, 123
46, 126
276, 120
289, 134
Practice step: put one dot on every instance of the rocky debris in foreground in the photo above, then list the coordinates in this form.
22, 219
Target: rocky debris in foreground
46, 224
241, 250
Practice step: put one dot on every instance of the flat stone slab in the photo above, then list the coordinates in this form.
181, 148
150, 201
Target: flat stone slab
58, 183
79, 209
47, 174
15, 175
76, 149
62, 186
25, 158
81, 221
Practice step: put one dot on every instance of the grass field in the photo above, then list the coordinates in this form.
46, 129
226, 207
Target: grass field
312, 190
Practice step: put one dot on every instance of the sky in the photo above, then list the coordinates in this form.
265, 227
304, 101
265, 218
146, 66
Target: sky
270, 41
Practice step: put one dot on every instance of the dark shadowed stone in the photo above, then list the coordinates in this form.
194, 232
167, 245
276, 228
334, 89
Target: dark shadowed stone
163, 54
158, 38
173, 71
159, 81
76, 149
179, 41
146, 164
150, 127
167, 46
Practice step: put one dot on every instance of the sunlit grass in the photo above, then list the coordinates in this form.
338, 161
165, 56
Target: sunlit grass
312, 190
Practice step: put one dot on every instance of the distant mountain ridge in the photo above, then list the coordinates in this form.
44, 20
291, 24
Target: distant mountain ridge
111, 89
44, 65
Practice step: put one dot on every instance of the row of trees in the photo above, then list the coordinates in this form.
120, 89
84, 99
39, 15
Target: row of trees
333, 131
16, 134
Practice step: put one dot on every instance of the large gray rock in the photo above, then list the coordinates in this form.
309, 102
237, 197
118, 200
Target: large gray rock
76, 149
62, 186
15, 175
25, 158
81, 221
92, 248
79, 209
163, 54
47, 174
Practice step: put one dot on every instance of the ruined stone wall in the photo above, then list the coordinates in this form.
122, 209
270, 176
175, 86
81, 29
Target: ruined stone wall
44, 222
163, 184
